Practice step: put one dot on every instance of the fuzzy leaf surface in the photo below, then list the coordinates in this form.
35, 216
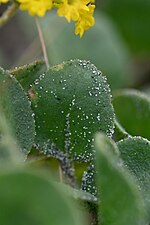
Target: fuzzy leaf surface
71, 102
135, 153
120, 201
16, 108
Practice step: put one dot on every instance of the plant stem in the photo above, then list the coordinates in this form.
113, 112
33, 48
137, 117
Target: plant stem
42, 42
8, 14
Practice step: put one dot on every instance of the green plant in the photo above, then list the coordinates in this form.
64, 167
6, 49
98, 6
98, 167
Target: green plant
72, 151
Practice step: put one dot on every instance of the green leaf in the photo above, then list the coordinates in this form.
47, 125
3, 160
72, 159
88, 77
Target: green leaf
132, 110
29, 198
71, 102
135, 153
132, 19
28, 73
17, 110
120, 201
100, 45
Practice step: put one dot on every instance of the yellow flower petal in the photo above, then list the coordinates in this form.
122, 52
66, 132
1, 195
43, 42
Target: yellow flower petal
85, 21
69, 9
36, 7
80, 11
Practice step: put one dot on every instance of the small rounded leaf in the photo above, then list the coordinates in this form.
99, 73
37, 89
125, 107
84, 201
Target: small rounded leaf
71, 102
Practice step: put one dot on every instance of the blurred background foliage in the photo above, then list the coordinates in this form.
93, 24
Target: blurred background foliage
118, 44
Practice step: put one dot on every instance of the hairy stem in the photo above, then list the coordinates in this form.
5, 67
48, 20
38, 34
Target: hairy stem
8, 14
42, 42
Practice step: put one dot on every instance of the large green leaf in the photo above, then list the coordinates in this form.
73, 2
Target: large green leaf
29, 198
16, 108
100, 44
71, 102
132, 110
132, 18
135, 153
120, 202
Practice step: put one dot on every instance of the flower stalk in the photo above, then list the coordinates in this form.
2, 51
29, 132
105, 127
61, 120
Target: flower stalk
41, 37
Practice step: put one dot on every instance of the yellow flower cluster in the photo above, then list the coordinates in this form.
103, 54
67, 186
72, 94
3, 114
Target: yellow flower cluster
80, 11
